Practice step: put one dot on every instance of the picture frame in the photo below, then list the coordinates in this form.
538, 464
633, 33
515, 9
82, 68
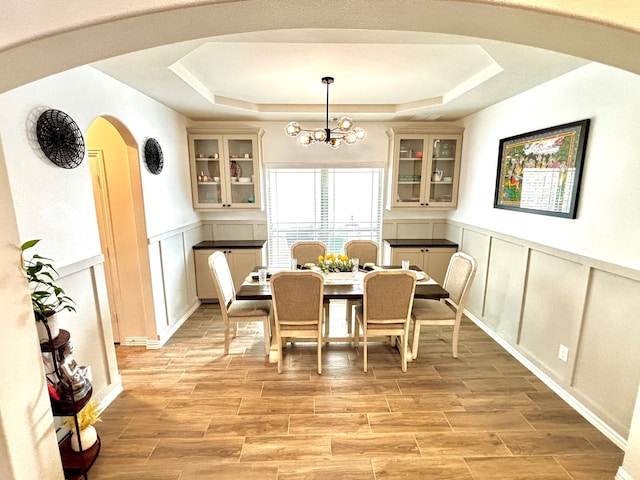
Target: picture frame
540, 172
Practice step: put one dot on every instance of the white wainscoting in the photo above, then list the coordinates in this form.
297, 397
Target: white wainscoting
532, 298
173, 279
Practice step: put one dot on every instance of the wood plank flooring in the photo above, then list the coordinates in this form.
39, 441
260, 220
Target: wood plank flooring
190, 413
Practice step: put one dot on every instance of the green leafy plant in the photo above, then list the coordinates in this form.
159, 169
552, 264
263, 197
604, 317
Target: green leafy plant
47, 298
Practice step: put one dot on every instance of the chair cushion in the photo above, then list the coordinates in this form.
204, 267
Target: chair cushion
432, 310
249, 308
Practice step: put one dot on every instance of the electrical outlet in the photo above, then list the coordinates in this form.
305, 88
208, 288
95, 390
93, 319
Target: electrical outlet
563, 353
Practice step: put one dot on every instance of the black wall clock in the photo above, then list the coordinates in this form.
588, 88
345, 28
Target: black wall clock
153, 157
60, 138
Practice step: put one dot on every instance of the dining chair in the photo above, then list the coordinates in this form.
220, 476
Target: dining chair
448, 311
234, 310
298, 308
308, 251
366, 251
386, 309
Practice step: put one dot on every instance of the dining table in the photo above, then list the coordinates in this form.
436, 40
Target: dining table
350, 288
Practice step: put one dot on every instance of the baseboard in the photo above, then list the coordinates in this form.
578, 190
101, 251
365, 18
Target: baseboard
167, 334
591, 417
134, 341
623, 475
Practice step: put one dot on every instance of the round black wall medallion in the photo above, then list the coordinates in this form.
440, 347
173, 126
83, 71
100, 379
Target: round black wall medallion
60, 138
153, 157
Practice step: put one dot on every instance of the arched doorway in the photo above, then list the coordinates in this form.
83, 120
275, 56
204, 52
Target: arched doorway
115, 173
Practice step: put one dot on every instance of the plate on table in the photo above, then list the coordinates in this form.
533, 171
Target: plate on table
421, 276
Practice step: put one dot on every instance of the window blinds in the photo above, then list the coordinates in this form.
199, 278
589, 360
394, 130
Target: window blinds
331, 205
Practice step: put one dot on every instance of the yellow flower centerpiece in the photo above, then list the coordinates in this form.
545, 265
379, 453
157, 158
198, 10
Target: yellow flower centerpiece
332, 263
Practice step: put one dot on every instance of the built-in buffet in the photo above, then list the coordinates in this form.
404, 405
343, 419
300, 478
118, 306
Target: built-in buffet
431, 255
242, 255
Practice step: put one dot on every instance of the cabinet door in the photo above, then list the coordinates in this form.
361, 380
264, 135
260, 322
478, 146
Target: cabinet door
204, 282
409, 171
444, 156
244, 171
437, 262
414, 255
242, 261
207, 170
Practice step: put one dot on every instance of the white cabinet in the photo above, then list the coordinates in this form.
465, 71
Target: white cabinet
241, 262
225, 170
431, 256
425, 169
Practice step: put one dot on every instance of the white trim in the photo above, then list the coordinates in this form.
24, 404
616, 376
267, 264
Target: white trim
174, 231
623, 475
167, 334
135, 341
80, 265
591, 417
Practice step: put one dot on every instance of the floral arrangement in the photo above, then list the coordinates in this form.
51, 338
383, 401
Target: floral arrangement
89, 415
333, 263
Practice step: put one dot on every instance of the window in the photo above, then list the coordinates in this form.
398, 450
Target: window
332, 205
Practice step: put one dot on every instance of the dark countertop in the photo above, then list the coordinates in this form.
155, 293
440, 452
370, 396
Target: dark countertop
419, 242
221, 244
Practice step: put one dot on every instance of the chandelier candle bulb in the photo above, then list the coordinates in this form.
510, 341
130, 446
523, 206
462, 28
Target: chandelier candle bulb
344, 132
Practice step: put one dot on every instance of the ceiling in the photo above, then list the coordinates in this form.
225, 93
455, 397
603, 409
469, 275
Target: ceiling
379, 75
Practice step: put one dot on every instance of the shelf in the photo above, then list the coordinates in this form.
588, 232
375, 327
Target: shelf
62, 408
78, 462
241, 183
208, 183
53, 345
443, 159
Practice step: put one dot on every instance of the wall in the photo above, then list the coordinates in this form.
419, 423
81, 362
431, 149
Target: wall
545, 281
55, 204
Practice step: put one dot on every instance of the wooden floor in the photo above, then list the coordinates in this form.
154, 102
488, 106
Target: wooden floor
189, 413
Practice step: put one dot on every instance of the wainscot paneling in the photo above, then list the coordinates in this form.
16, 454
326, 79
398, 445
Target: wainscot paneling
90, 325
552, 311
173, 279
531, 298
476, 243
606, 367
505, 287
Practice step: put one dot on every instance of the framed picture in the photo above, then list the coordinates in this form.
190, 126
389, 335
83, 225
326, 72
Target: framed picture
540, 172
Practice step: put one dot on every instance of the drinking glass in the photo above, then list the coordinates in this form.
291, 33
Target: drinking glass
294, 264
405, 264
356, 264
262, 275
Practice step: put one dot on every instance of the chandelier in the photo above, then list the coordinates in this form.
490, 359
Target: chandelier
343, 132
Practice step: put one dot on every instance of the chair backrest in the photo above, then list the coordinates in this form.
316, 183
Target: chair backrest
388, 296
308, 251
366, 251
460, 274
297, 297
222, 279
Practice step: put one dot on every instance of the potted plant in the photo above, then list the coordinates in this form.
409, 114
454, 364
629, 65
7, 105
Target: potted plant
47, 298
87, 417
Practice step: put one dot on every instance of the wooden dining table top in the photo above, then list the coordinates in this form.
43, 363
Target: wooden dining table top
351, 291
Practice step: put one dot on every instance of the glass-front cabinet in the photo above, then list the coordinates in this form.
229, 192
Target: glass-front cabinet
225, 170
425, 170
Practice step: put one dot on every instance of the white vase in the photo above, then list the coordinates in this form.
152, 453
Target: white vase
88, 437
54, 328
